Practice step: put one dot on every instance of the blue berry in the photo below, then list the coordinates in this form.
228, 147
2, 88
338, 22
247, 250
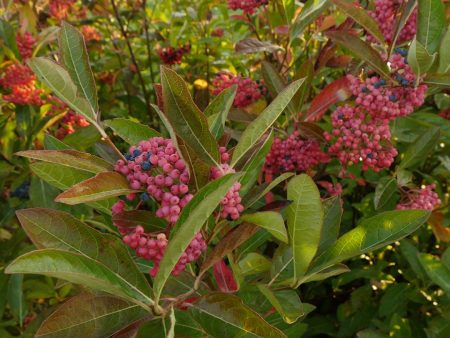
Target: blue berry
392, 98
129, 157
144, 197
137, 152
401, 51
365, 89
370, 156
340, 116
146, 165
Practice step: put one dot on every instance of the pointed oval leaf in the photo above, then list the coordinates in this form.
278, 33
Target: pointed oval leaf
100, 187
331, 222
191, 220
286, 302
75, 59
437, 271
256, 129
371, 234
219, 312
420, 149
431, 23
385, 192
90, 315
130, 131
419, 59
305, 220
217, 111
271, 221
70, 158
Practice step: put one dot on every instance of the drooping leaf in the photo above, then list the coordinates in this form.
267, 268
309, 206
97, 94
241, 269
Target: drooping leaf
286, 302
371, 234
79, 269
191, 220
217, 111
102, 186
420, 149
256, 129
224, 277
218, 313
53, 229
331, 222
70, 158
271, 221
188, 122
385, 192
430, 24
252, 45
310, 12
362, 50
305, 220
437, 271
130, 131
75, 59
90, 315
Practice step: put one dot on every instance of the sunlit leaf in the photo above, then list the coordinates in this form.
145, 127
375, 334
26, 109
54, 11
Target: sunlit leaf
130, 131
271, 221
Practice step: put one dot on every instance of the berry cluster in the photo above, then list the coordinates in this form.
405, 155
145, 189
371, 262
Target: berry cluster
385, 15
231, 206
20, 81
424, 198
70, 123
293, 154
59, 9
90, 34
25, 44
332, 189
361, 132
173, 55
248, 6
248, 91
22, 191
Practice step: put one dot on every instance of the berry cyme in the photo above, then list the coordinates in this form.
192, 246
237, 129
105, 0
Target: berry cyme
425, 199
248, 6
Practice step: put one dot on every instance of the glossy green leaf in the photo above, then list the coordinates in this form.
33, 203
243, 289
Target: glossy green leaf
271, 221
191, 220
385, 192
256, 129
130, 131
310, 12
286, 302
361, 16
78, 269
75, 59
444, 54
70, 158
217, 111
53, 229
371, 234
101, 186
362, 50
188, 122
219, 314
419, 59
420, 149
258, 192
282, 269
332, 214
253, 264
438, 272
90, 315
305, 220
430, 24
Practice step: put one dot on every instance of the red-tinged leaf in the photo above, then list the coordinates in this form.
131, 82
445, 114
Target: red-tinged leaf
133, 218
325, 55
310, 130
251, 45
100, 187
224, 277
335, 92
276, 205
282, 30
159, 96
340, 61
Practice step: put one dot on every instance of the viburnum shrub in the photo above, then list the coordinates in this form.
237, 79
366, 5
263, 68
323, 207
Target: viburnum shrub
262, 185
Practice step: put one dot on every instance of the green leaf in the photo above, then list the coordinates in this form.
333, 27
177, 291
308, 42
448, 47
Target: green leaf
406, 9
264, 121
219, 313
360, 16
411, 254
70, 158
9, 37
58, 80
420, 149
253, 264
16, 299
419, 59
438, 272
188, 122
78, 269
305, 220
286, 302
101, 186
133, 218
191, 220
271, 221
332, 215
371, 234
53, 229
332, 271
437, 80
130, 131
282, 266
430, 24
90, 315
362, 50
75, 59
310, 12
444, 54
52, 143
217, 111
385, 192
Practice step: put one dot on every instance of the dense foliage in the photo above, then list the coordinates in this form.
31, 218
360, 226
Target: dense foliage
224, 168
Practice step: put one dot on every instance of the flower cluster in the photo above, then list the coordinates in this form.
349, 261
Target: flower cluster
173, 55
59, 9
25, 44
424, 198
155, 166
293, 154
248, 91
70, 123
20, 81
231, 206
248, 6
385, 15
361, 132
90, 34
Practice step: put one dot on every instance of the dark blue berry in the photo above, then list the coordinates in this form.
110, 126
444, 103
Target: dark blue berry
144, 197
370, 156
340, 116
405, 83
364, 89
401, 51
129, 157
146, 165
136, 152
392, 98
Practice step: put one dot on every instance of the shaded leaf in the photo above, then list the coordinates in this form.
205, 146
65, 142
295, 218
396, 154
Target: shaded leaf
437, 271
430, 24
286, 302
420, 149
385, 192
332, 215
